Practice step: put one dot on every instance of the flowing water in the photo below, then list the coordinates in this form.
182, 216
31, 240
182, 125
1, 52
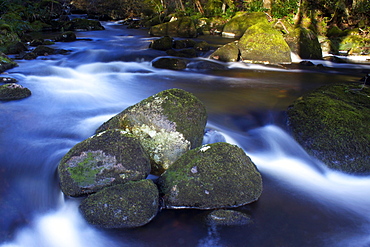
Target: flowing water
303, 203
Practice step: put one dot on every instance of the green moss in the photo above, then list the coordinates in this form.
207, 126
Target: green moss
332, 124
242, 21
84, 173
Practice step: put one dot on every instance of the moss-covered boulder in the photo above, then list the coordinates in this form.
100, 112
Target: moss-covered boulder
236, 27
17, 48
332, 124
182, 27
68, 36
165, 43
224, 217
168, 124
184, 43
304, 43
169, 63
6, 63
218, 175
227, 53
108, 158
13, 91
79, 24
188, 53
127, 205
261, 43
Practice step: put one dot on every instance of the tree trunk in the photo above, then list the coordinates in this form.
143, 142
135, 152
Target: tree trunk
267, 4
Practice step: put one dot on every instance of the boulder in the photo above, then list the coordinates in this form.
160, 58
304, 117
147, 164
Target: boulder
202, 46
17, 48
227, 53
8, 80
165, 43
188, 53
108, 158
182, 27
332, 124
304, 43
169, 63
184, 43
218, 175
68, 36
42, 50
129, 205
13, 91
261, 43
236, 27
6, 63
168, 124
224, 217
79, 24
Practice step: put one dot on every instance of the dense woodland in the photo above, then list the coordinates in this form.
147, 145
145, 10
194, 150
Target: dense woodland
325, 17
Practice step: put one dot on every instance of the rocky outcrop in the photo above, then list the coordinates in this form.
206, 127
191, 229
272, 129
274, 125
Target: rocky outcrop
168, 124
128, 205
13, 91
332, 124
218, 175
108, 158
236, 27
261, 43
182, 27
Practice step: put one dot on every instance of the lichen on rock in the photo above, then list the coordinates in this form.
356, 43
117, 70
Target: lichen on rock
129, 205
13, 91
218, 175
167, 124
108, 158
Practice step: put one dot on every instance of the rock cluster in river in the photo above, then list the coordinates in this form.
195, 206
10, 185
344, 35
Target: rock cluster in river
11, 90
162, 134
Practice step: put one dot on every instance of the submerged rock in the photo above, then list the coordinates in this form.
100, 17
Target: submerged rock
13, 91
168, 124
332, 124
129, 205
110, 157
261, 43
223, 217
218, 175
163, 44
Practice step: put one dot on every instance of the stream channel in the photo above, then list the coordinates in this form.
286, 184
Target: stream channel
302, 204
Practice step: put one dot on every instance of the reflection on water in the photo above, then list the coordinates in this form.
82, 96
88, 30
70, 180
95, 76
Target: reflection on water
303, 203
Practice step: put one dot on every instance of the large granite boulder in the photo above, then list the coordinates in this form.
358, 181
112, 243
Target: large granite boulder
261, 43
227, 53
108, 158
236, 27
218, 175
332, 124
304, 43
168, 124
129, 205
13, 91
182, 27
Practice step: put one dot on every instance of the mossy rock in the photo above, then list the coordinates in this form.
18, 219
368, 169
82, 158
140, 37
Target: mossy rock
184, 43
224, 217
13, 91
68, 36
332, 124
202, 46
168, 124
237, 26
42, 50
183, 27
188, 53
218, 175
79, 24
169, 63
261, 43
129, 205
6, 63
304, 43
163, 44
227, 53
17, 48
108, 158
355, 43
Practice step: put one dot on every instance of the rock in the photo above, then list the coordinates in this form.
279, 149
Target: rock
13, 91
17, 48
263, 44
189, 53
79, 24
42, 50
304, 43
237, 26
332, 124
66, 37
202, 46
184, 43
206, 65
224, 217
183, 27
6, 63
169, 63
129, 205
168, 124
227, 53
28, 56
165, 43
108, 158
218, 175
8, 80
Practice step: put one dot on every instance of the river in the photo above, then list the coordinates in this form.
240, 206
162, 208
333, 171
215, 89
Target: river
302, 204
